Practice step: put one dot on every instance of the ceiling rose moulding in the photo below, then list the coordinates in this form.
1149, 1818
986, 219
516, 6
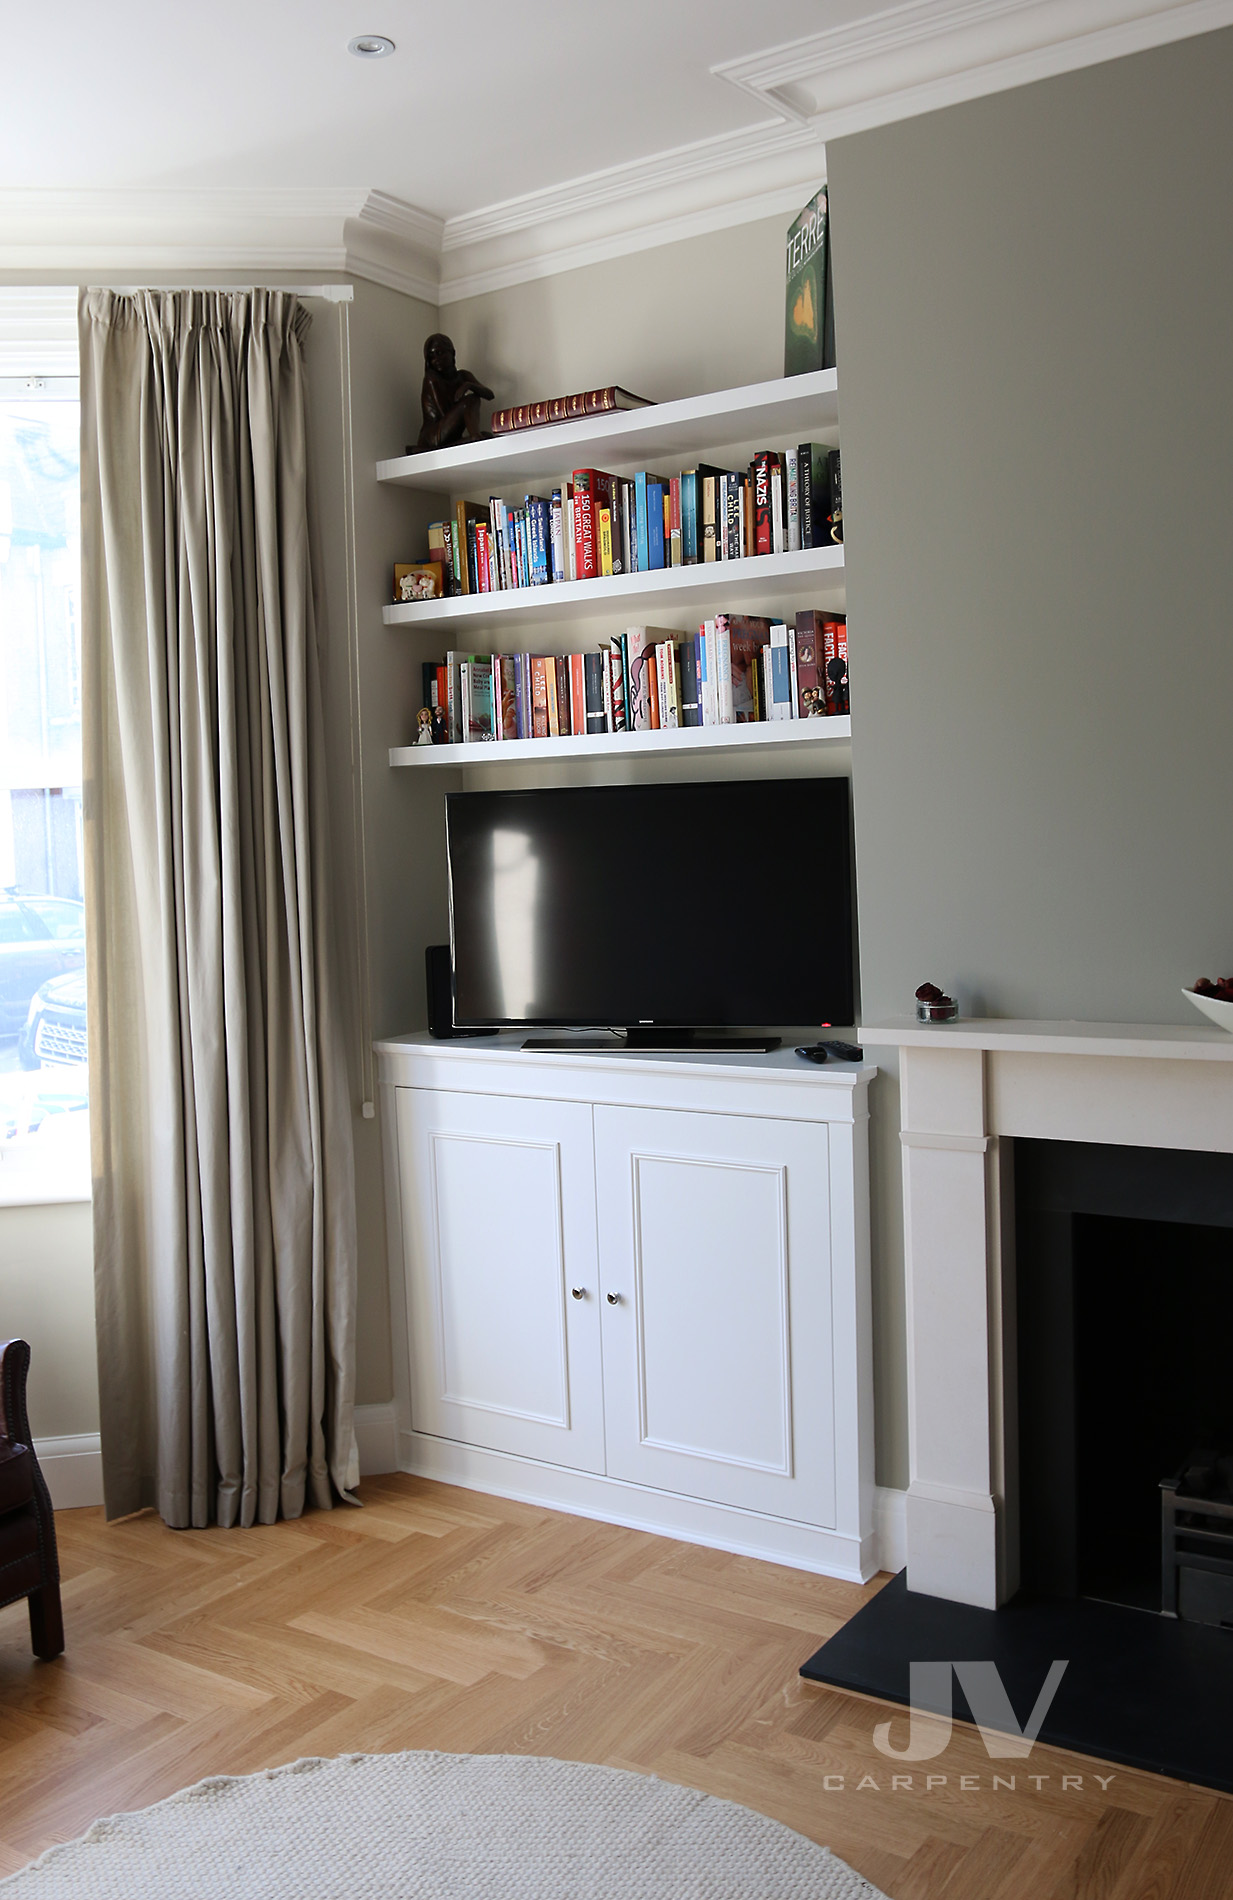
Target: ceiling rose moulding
916, 58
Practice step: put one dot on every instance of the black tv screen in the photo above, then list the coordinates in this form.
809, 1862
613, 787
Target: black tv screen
683, 904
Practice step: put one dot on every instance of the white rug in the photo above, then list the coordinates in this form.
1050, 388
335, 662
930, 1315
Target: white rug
439, 1827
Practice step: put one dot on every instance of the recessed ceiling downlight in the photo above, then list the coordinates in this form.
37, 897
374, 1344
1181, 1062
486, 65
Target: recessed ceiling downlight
370, 46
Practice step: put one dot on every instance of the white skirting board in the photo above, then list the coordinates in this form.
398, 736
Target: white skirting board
73, 1468
376, 1430
73, 1465
614, 1501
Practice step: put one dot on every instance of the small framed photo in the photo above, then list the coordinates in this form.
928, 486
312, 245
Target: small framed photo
418, 580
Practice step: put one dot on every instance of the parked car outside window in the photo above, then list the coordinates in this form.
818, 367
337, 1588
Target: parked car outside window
40, 937
64, 916
54, 1035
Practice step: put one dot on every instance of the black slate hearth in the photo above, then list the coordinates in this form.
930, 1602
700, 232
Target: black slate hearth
1140, 1689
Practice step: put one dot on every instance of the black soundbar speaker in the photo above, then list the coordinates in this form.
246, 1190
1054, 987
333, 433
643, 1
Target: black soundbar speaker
440, 977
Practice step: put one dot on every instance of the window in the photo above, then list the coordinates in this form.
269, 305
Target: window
44, 1137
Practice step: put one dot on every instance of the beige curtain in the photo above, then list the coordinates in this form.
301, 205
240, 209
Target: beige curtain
224, 1205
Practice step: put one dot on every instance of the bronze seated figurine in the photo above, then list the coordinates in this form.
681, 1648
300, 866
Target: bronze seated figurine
450, 397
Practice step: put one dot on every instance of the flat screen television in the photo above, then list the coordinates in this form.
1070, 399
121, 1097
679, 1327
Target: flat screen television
660, 909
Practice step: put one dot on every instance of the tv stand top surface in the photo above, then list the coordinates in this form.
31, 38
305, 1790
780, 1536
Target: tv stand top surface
782, 1065
671, 1042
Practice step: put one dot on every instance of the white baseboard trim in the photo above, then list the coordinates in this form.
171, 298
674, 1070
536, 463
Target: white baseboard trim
73, 1468
890, 1524
73, 1465
376, 1434
615, 1501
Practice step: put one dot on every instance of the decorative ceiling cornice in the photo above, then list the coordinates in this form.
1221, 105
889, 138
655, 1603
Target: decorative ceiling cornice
925, 54
106, 234
679, 193
908, 59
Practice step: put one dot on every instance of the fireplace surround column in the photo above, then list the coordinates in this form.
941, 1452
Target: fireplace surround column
950, 1212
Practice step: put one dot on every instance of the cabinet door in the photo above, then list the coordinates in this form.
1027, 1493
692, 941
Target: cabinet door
498, 1218
715, 1244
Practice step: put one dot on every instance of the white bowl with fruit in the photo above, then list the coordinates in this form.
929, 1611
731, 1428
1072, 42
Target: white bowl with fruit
1214, 999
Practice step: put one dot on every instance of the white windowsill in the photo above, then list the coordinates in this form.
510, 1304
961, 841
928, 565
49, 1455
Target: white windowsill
42, 1194
49, 1166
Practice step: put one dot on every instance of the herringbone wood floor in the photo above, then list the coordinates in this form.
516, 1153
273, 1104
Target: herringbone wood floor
438, 1618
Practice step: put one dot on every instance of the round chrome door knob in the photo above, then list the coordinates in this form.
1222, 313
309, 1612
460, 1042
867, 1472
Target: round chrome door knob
614, 1299
579, 1292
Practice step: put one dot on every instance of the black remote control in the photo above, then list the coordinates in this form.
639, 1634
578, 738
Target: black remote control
844, 1051
813, 1051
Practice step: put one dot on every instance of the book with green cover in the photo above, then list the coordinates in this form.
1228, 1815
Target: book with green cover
808, 342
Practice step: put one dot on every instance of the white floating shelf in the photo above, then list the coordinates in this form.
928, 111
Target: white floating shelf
774, 735
761, 582
679, 433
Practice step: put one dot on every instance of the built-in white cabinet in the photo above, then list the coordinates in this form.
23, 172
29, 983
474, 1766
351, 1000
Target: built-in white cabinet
498, 1227
637, 1286
714, 1255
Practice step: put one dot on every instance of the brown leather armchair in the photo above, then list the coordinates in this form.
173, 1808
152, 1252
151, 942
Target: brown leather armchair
29, 1566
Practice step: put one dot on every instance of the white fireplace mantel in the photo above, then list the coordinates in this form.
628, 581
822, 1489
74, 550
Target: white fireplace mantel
967, 1090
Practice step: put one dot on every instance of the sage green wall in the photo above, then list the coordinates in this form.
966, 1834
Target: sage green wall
704, 313
47, 1297
1035, 293
1033, 307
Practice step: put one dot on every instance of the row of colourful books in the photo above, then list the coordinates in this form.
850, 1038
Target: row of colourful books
596, 524
737, 668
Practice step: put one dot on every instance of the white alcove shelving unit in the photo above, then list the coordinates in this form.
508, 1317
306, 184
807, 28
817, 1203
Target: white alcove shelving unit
656, 1311
727, 427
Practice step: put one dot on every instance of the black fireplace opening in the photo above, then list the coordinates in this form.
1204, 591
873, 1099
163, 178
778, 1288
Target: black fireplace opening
1124, 1297
1121, 1389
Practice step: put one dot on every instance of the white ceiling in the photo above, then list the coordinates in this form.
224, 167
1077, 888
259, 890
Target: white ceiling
504, 138
483, 99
